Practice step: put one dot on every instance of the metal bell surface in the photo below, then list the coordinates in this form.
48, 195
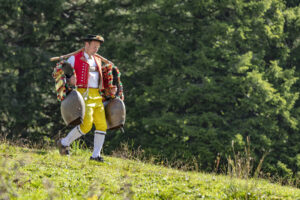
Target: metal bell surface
73, 108
115, 113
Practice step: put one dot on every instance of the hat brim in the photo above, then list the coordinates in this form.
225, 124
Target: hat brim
89, 40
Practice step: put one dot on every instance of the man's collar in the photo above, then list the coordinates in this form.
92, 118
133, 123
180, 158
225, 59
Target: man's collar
87, 56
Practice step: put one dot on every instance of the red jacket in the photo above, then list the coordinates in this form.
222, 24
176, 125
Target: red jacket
82, 70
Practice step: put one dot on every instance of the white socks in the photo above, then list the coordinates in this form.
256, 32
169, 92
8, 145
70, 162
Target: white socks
98, 143
74, 134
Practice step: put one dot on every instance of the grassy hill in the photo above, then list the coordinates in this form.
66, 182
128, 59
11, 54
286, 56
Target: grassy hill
44, 174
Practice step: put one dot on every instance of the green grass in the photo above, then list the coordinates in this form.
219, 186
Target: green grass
44, 174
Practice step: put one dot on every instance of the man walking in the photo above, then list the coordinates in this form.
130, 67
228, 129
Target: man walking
89, 82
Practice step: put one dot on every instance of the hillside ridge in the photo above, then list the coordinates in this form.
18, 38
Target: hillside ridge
44, 174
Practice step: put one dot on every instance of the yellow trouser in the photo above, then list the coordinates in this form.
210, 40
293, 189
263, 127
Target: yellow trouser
94, 111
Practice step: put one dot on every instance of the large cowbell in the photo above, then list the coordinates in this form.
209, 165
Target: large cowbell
73, 108
115, 114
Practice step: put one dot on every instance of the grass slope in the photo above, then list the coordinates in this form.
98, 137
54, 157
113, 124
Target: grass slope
44, 174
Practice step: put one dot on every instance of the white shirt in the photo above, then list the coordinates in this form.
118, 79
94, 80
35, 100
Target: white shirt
93, 81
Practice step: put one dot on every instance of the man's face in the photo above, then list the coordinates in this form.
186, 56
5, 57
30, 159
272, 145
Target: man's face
92, 47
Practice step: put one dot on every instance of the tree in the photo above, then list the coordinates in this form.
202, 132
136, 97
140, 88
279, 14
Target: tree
197, 74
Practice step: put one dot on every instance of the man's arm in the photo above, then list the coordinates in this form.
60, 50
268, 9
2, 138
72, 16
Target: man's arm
72, 79
71, 60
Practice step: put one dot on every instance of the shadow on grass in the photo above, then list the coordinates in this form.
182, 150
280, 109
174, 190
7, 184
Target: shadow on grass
36, 151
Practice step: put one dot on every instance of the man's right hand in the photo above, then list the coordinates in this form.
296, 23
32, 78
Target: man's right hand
72, 81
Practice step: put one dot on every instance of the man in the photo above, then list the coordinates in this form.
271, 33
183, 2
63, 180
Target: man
89, 82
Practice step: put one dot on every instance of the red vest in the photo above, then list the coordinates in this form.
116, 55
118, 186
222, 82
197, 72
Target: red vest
82, 70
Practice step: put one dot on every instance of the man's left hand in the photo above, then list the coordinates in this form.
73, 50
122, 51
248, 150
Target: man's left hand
113, 90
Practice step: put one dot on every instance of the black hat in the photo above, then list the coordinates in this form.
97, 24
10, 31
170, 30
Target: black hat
90, 37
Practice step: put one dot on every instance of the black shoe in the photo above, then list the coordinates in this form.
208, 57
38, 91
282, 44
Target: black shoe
63, 150
98, 159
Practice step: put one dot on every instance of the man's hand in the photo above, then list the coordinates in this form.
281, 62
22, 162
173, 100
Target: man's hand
113, 90
72, 81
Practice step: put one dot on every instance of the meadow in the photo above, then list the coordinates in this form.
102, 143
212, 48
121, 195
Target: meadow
28, 173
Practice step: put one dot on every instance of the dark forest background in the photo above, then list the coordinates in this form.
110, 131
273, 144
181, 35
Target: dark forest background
198, 75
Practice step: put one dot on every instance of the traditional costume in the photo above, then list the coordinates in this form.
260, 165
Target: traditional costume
88, 70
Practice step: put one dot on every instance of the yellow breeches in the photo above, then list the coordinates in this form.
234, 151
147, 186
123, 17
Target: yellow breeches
94, 110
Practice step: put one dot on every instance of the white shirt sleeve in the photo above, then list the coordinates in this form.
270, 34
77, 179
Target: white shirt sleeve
71, 60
